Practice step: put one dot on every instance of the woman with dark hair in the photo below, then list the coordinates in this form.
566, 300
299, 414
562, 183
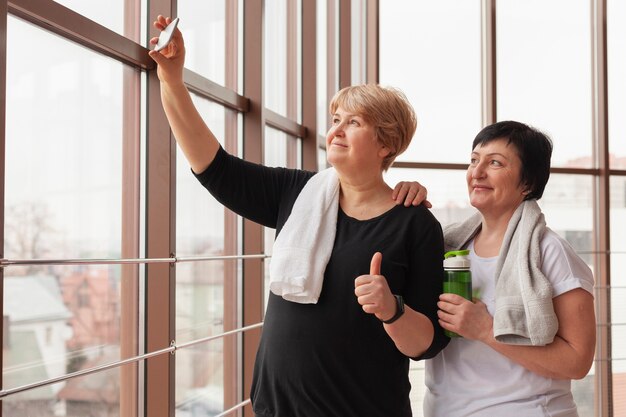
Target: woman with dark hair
531, 328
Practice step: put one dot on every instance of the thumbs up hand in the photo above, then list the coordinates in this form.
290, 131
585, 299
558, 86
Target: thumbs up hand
373, 293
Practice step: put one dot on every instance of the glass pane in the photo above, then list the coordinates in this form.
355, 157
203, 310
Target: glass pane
64, 137
109, 13
447, 191
63, 199
359, 42
206, 291
544, 73
275, 70
59, 320
618, 225
322, 62
616, 44
568, 209
322, 162
583, 392
199, 299
203, 24
95, 395
618, 326
618, 292
275, 148
431, 51
199, 217
200, 390
619, 359
203, 370
295, 85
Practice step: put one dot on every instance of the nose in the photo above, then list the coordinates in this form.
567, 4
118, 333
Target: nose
477, 171
337, 129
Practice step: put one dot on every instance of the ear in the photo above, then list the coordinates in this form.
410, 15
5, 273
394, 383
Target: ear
384, 152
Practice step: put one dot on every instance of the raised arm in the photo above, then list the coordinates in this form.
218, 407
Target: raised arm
192, 135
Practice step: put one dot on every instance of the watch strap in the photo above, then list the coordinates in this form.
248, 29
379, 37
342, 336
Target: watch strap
399, 309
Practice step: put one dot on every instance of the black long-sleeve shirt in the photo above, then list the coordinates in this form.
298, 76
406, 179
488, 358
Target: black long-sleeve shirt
331, 359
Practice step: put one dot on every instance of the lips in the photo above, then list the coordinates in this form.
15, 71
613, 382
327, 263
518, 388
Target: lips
480, 187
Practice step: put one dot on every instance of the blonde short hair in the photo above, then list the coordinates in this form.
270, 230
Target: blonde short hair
387, 109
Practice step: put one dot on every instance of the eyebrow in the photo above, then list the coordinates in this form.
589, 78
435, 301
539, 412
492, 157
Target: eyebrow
347, 115
491, 154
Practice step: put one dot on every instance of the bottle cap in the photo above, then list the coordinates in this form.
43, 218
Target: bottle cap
456, 260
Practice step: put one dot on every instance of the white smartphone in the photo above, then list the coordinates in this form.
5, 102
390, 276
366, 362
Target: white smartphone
166, 35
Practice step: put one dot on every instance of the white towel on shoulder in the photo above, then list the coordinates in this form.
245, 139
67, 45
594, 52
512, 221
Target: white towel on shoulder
524, 313
304, 245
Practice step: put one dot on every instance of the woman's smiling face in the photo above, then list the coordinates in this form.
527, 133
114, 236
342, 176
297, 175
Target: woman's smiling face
493, 178
351, 141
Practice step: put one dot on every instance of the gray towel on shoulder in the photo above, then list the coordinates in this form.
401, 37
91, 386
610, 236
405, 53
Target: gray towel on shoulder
524, 314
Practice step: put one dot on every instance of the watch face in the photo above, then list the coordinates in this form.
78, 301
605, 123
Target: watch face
400, 302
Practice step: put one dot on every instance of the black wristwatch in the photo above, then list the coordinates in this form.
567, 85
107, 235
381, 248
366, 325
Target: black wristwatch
399, 310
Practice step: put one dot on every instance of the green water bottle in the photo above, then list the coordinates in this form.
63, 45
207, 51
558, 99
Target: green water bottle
457, 277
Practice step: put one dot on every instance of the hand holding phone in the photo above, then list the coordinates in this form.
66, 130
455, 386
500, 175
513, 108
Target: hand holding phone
166, 35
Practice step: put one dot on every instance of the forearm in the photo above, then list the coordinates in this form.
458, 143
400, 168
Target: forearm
412, 333
558, 360
571, 353
191, 132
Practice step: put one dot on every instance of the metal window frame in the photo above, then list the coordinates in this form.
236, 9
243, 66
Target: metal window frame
3, 94
253, 138
602, 245
160, 240
309, 85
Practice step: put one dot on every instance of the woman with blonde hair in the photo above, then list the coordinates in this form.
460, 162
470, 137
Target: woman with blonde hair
354, 278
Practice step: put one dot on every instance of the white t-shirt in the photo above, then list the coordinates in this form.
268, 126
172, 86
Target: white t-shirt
468, 378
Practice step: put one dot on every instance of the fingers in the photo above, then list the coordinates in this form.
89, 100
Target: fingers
417, 195
410, 193
396, 191
158, 57
373, 294
401, 192
376, 263
451, 298
160, 23
375, 267
420, 195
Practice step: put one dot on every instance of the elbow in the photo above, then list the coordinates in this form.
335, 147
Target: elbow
582, 370
578, 375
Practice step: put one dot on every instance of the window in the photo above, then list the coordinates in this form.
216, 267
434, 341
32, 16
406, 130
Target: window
437, 65
113, 250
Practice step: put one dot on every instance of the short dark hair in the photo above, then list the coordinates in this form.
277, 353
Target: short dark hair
534, 149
